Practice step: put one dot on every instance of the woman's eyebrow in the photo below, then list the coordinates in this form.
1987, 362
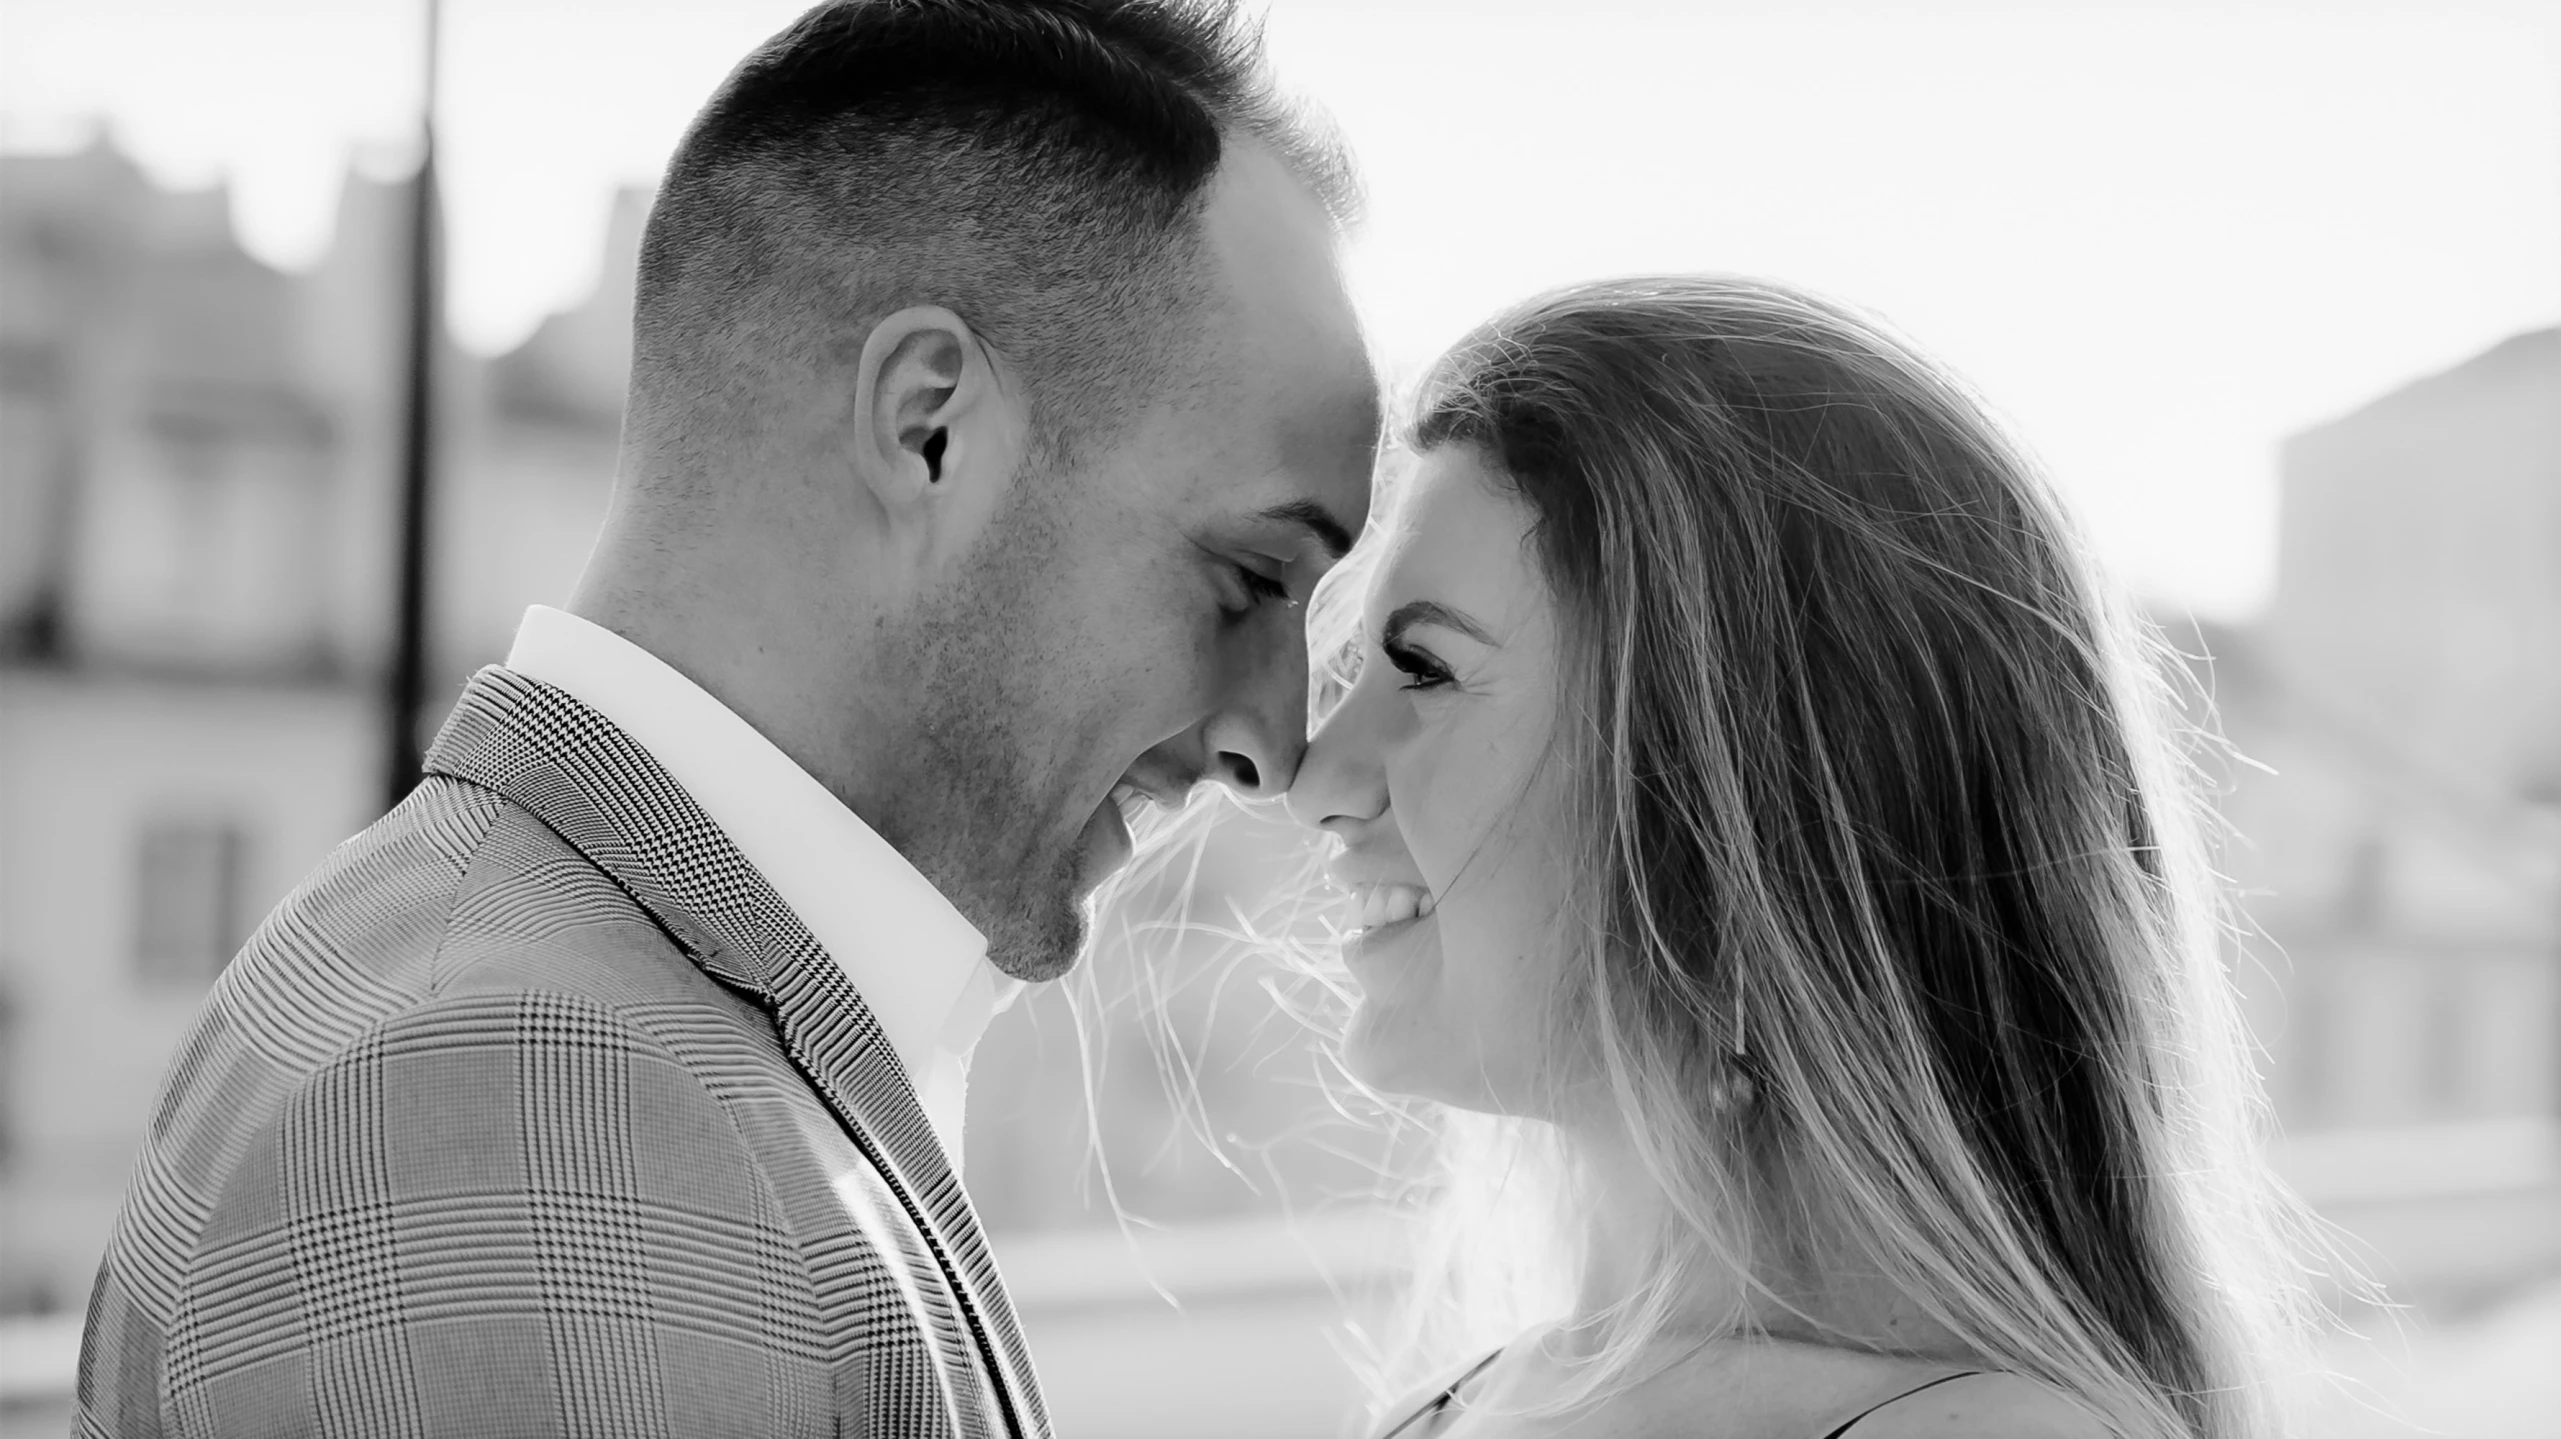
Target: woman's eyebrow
1430, 612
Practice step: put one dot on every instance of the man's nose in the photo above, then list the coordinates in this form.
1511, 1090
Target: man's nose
1254, 743
1256, 766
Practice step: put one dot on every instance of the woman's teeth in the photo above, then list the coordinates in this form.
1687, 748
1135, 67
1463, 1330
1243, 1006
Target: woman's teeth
1386, 904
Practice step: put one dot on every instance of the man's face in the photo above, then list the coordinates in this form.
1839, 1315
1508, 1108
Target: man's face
1137, 624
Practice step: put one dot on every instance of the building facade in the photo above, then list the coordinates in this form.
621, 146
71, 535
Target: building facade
196, 501
2402, 846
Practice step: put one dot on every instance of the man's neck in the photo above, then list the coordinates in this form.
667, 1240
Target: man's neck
803, 703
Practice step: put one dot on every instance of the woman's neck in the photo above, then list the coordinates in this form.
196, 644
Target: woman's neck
1630, 1230
1812, 1288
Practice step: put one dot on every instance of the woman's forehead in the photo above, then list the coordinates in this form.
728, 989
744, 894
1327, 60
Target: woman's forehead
1459, 537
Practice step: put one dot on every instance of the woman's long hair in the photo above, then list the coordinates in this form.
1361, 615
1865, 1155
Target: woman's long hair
1896, 943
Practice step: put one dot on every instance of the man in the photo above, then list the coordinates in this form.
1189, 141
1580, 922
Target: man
994, 402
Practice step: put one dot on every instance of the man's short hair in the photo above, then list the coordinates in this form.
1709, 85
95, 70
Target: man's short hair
1038, 166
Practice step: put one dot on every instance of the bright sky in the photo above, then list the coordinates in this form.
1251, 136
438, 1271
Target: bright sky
2160, 236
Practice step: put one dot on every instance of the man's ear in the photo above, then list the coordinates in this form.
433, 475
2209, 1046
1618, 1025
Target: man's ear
937, 427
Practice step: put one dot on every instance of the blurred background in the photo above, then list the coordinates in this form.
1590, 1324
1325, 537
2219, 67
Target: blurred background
2275, 288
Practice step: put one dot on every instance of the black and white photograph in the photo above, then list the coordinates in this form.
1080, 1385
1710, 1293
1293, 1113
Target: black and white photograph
1280, 719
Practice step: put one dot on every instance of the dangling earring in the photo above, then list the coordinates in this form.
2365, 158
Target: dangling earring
1734, 1089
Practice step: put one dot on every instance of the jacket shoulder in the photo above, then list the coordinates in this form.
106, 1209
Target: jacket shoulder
531, 1169
457, 929
457, 890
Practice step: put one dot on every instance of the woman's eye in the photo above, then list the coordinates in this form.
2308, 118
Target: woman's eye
1421, 671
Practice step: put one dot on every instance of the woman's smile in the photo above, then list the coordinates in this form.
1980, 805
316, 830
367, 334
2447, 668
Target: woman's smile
1385, 905
1378, 942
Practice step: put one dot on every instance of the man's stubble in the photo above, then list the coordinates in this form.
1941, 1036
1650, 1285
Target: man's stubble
986, 810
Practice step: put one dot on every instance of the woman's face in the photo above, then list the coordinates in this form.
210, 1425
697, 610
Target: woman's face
1430, 773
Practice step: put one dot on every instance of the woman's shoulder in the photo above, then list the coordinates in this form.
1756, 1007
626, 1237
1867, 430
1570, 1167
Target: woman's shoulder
1410, 1413
1987, 1405
1876, 1398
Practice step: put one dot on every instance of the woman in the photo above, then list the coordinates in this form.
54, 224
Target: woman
1772, 863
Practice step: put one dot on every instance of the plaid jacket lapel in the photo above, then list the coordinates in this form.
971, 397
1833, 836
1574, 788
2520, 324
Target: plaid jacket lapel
603, 793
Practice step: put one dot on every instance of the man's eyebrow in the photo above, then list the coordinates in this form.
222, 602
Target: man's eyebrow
1428, 612
1316, 520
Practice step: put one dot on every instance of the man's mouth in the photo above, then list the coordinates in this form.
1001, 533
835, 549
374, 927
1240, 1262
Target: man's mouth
1150, 784
1114, 825
1129, 800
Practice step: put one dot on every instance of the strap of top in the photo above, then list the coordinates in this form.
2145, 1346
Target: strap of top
1899, 1398
1441, 1401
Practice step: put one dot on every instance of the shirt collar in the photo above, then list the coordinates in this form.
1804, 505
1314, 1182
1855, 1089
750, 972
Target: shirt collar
918, 962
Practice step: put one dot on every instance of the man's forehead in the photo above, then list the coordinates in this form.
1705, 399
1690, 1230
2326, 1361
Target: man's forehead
1276, 453
1293, 398
1328, 439
1276, 262
1309, 477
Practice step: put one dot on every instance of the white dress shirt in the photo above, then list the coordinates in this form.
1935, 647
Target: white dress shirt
916, 961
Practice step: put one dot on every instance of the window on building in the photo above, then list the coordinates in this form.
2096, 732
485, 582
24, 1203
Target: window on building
190, 885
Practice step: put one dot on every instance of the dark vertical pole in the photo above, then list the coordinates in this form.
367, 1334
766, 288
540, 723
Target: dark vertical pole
409, 647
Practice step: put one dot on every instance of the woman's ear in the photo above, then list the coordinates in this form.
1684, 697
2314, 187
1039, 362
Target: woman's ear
938, 427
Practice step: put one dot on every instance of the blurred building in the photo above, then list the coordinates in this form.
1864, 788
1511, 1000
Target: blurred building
2405, 689
196, 485
2397, 824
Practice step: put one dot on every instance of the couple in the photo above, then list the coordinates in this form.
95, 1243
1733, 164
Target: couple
1762, 827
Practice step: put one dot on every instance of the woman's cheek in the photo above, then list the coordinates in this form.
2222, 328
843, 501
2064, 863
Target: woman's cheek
1494, 1010
1513, 932
1406, 1038
1465, 1028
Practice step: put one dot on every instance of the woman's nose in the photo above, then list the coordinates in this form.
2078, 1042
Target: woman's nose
1337, 782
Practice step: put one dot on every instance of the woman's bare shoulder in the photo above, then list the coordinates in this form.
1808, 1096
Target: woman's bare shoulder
1977, 1406
1399, 1417
1983, 1406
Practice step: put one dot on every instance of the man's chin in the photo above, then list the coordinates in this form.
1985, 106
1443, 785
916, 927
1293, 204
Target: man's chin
1038, 948
1040, 923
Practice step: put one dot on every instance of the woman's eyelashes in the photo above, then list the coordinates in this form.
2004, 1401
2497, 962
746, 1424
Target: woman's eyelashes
1421, 670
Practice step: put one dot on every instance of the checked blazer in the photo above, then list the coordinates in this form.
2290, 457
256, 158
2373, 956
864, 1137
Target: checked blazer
535, 1111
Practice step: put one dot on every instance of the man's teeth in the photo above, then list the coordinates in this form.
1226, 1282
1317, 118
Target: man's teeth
1385, 904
